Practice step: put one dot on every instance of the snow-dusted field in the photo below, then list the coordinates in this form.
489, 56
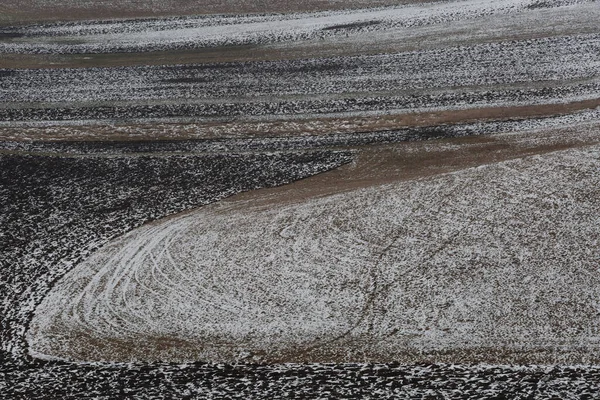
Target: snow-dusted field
300, 381
39, 259
540, 71
56, 209
61, 10
407, 254
490, 263
210, 31
432, 56
542, 63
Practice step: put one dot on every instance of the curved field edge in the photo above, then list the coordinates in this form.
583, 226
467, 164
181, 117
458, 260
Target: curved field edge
58, 210
363, 275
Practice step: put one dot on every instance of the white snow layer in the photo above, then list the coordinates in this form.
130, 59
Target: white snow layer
244, 29
502, 256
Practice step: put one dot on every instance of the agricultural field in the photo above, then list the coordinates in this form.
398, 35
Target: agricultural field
450, 268
319, 199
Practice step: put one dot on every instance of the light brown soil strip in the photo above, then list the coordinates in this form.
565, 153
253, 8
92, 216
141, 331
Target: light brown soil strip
148, 347
285, 128
389, 163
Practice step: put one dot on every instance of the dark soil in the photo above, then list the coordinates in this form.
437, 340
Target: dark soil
292, 381
56, 210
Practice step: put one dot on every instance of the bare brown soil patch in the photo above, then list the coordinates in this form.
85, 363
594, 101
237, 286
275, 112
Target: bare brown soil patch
362, 349
389, 163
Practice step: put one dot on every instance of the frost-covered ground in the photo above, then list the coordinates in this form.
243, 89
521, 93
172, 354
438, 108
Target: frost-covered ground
540, 63
56, 210
44, 187
271, 96
437, 67
293, 381
210, 31
540, 71
580, 127
487, 264
61, 10
581, 121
